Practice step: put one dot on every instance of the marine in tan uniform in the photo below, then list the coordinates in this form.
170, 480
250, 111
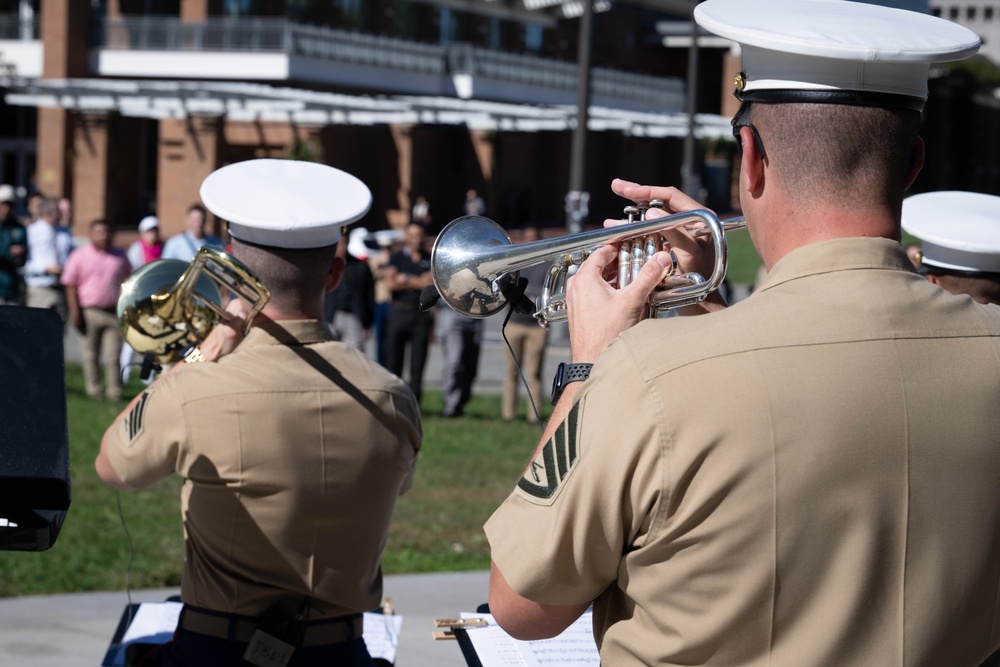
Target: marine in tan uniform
808, 477
293, 448
959, 236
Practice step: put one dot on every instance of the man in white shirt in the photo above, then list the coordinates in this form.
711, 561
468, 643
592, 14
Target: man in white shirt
49, 245
185, 246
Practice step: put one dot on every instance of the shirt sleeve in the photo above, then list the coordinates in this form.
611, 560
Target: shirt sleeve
144, 445
71, 272
590, 494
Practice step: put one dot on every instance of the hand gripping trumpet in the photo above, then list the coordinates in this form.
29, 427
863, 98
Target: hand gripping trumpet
169, 306
473, 261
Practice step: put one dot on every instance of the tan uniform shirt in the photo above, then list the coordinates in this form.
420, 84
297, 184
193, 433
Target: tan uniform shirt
810, 477
293, 449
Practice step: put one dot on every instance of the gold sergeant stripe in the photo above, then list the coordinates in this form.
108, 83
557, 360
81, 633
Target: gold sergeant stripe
134, 424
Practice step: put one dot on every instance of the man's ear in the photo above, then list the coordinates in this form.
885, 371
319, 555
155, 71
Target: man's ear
916, 162
336, 273
751, 163
934, 279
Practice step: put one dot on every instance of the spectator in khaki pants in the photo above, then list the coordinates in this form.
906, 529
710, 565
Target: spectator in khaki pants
527, 341
92, 277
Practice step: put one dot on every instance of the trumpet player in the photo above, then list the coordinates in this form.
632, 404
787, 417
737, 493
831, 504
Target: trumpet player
293, 447
779, 482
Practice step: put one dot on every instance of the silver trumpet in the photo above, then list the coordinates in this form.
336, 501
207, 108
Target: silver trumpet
473, 261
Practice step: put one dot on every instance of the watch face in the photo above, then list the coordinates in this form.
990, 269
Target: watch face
557, 382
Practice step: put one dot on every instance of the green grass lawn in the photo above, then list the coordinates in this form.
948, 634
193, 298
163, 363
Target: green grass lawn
743, 258
466, 468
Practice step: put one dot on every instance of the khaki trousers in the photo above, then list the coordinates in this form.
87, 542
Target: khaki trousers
103, 337
528, 343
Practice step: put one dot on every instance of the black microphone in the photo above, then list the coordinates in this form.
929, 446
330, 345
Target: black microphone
148, 366
429, 296
515, 295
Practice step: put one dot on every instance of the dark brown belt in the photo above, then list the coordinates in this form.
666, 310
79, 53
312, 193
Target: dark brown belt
240, 628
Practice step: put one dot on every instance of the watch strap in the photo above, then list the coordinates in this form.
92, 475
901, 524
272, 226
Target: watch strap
566, 374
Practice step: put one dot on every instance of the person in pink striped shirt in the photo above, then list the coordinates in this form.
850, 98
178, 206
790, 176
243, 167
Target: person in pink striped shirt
92, 277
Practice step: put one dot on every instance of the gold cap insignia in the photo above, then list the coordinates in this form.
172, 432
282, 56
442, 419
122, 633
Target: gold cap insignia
740, 81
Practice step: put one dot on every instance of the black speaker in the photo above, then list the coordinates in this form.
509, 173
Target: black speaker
34, 439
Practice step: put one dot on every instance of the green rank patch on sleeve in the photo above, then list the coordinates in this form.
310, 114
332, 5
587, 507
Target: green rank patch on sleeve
550, 469
133, 424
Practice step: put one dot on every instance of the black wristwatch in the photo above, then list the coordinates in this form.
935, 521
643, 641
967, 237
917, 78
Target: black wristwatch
567, 373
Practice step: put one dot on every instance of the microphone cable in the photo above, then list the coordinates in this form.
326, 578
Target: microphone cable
521, 303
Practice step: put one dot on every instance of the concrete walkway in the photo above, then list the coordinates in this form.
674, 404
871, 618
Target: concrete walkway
74, 630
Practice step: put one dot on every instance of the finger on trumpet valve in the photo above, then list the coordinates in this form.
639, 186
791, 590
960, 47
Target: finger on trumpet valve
624, 263
638, 258
650, 246
633, 213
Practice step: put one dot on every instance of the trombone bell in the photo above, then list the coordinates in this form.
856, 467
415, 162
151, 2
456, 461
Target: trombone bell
168, 306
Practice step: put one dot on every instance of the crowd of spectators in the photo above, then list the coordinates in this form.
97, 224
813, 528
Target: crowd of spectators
47, 263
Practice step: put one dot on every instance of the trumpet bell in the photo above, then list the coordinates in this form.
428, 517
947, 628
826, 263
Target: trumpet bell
465, 282
168, 306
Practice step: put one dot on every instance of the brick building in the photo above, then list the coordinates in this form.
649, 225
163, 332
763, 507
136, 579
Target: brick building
126, 105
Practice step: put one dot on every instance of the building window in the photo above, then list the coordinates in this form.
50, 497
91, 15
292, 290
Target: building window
987, 13
970, 13
352, 14
449, 26
237, 8
533, 37
494, 40
404, 20
953, 13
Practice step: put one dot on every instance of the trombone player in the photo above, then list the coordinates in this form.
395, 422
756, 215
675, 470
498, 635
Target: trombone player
779, 482
293, 447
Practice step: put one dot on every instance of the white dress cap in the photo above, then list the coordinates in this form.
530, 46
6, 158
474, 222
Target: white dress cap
285, 203
835, 51
149, 222
356, 245
957, 230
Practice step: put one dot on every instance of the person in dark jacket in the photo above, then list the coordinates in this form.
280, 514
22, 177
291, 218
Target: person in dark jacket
350, 309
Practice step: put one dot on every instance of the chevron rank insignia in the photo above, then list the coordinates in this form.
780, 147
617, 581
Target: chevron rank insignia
134, 422
552, 466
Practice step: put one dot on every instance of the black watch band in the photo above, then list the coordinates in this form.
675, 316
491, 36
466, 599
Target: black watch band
566, 373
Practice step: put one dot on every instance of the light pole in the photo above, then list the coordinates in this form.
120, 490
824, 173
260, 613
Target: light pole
690, 181
576, 198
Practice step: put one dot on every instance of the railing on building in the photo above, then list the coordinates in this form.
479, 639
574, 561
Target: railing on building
17, 28
281, 36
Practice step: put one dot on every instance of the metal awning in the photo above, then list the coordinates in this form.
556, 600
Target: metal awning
158, 99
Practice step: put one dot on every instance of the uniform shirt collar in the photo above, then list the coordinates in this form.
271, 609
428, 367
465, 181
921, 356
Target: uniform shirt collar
288, 332
844, 254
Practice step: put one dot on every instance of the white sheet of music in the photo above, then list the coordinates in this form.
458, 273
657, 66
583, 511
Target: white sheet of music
495, 648
382, 635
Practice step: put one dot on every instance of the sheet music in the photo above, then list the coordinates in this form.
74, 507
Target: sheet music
495, 648
153, 623
382, 635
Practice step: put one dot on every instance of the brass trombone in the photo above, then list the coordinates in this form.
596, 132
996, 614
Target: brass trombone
473, 260
169, 306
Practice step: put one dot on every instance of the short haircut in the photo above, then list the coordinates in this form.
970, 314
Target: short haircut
294, 277
48, 206
200, 209
99, 221
839, 153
